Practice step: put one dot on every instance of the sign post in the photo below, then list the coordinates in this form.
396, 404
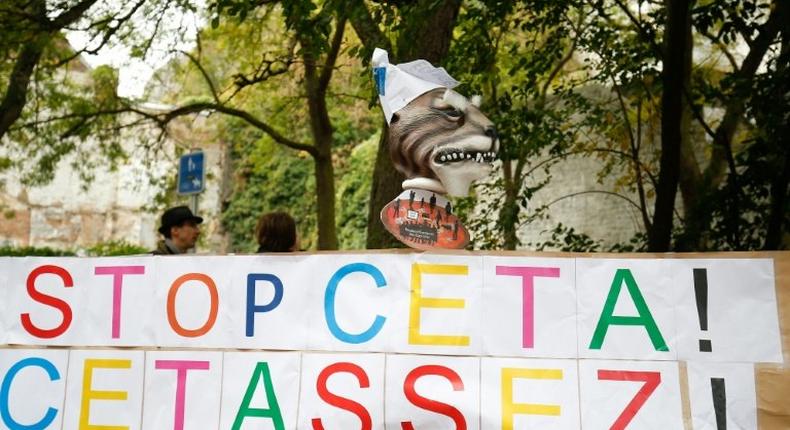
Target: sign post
192, 177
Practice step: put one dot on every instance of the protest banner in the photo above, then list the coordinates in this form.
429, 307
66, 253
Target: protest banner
396, 341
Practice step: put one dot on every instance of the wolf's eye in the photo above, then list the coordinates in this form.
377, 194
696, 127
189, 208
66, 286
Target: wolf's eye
452, 112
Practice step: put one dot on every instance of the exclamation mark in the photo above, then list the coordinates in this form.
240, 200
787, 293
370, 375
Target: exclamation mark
719, 402
701, 293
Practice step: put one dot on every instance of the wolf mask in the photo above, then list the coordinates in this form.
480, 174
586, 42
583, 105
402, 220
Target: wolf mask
438, 139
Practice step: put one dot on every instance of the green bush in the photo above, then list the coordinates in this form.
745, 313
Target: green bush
115, 247
32, 251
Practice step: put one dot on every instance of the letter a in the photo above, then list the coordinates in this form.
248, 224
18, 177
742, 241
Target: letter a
644, 319
261, 372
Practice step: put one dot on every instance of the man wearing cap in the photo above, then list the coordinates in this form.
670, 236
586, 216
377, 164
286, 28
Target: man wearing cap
180, 229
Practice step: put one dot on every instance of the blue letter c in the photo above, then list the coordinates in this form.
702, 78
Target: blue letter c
329, 303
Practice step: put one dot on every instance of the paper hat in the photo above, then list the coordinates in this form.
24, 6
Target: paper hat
399, 84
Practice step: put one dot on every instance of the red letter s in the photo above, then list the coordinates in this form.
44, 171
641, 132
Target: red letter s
42, 298
433, 405
342, 402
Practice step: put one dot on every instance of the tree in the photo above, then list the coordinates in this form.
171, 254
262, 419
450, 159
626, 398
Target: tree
745, 22
316, 40
27, 31
51, 98
420, 29
625, 48
32, 33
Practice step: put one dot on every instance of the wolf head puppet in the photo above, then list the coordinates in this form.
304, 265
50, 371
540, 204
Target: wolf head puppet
438, 138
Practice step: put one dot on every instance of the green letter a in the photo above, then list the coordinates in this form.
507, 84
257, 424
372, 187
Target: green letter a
644, 319
261, 370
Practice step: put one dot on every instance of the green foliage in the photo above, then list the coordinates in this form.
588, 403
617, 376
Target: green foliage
749, 201
604, 103
566, 239
115, 248
353, 194
560, 79
268, 178
31, 251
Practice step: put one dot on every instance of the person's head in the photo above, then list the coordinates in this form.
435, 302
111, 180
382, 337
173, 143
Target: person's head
276, 232
180, 225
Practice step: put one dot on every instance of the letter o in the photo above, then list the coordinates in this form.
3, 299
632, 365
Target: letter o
171, 305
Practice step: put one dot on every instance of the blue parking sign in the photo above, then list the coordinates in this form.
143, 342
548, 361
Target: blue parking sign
191, 173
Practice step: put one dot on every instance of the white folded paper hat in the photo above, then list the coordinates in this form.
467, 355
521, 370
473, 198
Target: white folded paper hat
399, 84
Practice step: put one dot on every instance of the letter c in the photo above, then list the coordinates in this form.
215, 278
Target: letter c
53, 374
329, 303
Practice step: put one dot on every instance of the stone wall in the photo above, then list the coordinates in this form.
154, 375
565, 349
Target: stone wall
581, 202
117, 205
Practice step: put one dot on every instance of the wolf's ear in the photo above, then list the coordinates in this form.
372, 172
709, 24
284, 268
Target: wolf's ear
477, 100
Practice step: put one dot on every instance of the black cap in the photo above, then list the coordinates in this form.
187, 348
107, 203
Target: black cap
176, 216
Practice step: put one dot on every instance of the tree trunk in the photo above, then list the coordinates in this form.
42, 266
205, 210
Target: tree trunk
690, 174
385, 186
508, 214
316, 85
42, 29
777, 217
674, 70
428, 37
698, 215
325, 198
15, 96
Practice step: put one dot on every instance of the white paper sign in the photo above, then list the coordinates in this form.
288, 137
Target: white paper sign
32, 387
190, 292
529, 393
44, 296
105, 388
268, 301
737, 301
445, 306
342, 391
360, 302
722, 393
529, 307
414, 385
182, 390
410, 303
260, 390
625, 309
630, 394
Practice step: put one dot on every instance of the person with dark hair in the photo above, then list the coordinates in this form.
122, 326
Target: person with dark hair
180, 229
276, 232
